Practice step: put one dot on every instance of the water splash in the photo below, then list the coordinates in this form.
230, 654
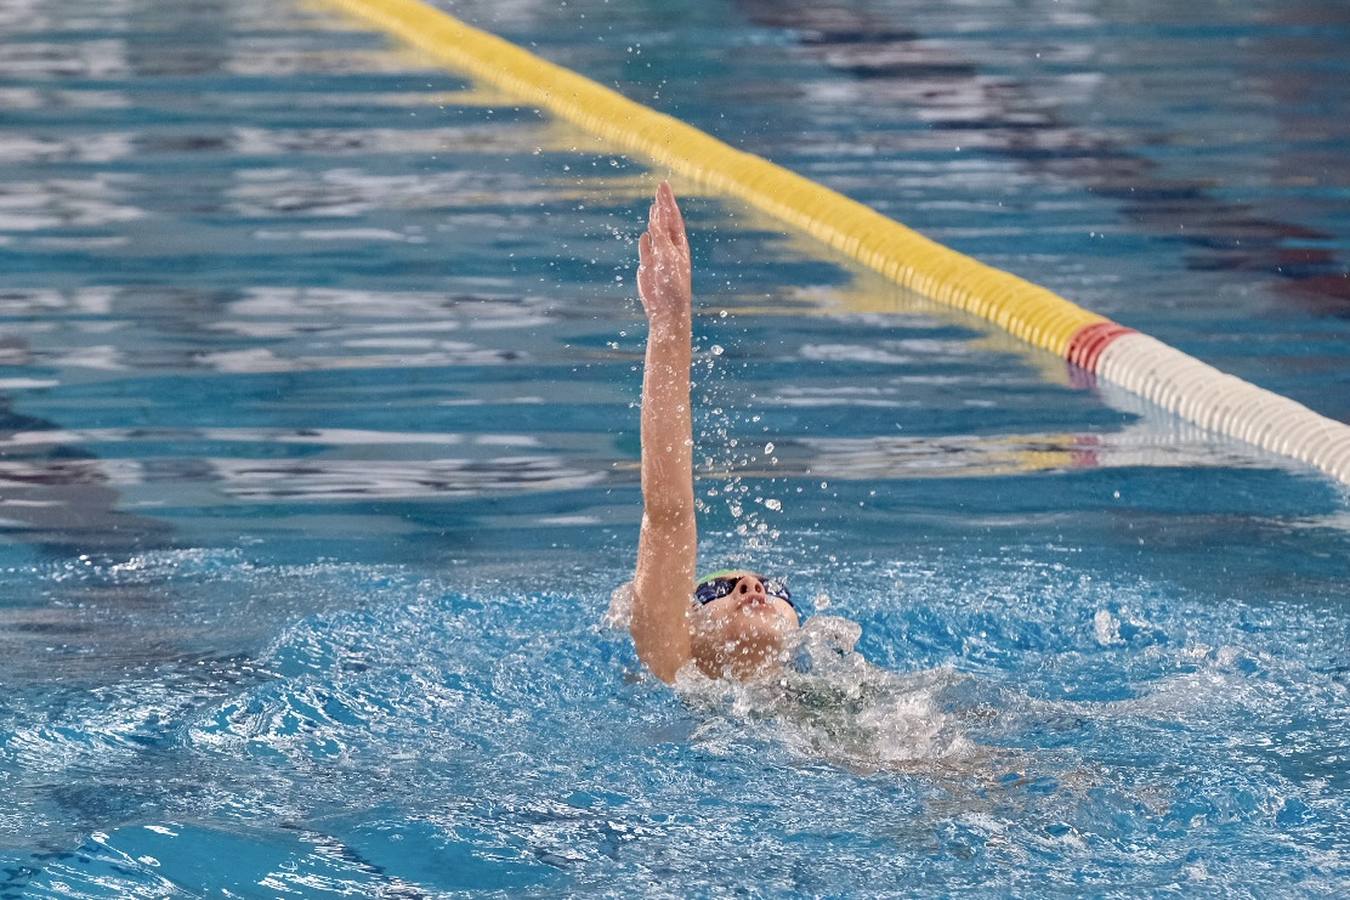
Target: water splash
829, 704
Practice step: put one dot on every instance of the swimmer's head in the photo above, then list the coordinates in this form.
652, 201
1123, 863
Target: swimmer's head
739, 623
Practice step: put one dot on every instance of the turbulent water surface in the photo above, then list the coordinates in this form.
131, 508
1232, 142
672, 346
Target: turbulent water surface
318, 457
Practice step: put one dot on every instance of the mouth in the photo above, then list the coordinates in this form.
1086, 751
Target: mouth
753, 601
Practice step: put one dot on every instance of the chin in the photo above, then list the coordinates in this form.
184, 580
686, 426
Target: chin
750, 649
742, 643
762, 628
759, 622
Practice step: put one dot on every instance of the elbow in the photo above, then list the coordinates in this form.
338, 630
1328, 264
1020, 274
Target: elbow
667, 504
669, 512
662, 669
662, 651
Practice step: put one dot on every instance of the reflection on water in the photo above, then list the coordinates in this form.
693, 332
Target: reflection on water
183, 244
964, 455
101, 58
356, 141
349, 312
1005, 95
337, 480
86, 203
342, 193
437, 353
55, 99
100, 148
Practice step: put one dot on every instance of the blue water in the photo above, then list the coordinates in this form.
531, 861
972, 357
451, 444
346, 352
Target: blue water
318, 459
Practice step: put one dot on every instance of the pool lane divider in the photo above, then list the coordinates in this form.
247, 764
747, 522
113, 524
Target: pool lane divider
1135, 361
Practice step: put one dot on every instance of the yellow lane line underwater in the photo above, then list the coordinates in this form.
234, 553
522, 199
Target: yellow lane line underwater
1034, 314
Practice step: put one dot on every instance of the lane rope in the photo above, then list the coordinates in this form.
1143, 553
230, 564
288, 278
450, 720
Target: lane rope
1137, 362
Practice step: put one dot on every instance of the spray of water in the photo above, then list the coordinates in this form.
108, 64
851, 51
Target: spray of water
827, 703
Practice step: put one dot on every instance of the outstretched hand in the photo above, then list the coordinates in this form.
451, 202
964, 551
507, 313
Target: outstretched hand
663, 273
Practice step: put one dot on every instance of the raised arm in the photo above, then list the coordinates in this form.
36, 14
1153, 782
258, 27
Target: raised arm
668, 543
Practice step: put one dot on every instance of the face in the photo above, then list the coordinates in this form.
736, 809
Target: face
742, 634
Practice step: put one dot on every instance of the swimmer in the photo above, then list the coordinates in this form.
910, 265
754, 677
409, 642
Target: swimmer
734, 623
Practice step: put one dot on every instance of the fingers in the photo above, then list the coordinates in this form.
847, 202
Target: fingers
670, 211
644, 263
663, 251
655, 226
664, 220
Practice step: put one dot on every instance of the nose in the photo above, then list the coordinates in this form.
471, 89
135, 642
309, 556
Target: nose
750, 585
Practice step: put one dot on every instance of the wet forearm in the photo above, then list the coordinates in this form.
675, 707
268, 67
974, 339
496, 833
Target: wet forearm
667, 427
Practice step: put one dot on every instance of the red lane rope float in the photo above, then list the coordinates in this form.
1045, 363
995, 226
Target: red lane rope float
1087, 344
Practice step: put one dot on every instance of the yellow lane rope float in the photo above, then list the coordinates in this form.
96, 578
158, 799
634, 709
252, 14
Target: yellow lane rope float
1137, 362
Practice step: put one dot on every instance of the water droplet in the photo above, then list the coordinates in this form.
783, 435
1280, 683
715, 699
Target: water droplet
773, 504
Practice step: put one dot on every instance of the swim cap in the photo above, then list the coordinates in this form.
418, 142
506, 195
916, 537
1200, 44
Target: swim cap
718, 574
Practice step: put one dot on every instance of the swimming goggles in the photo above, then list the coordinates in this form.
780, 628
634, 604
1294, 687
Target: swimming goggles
716, 587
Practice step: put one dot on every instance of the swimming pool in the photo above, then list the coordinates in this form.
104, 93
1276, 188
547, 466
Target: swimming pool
319, 458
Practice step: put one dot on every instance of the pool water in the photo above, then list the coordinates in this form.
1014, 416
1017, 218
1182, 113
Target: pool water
318, 459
